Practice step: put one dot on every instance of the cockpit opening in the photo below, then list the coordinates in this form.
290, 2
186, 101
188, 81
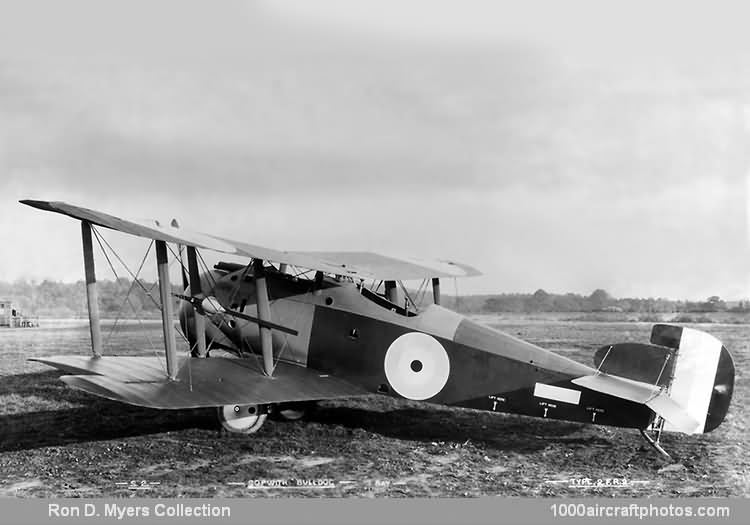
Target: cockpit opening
385, 303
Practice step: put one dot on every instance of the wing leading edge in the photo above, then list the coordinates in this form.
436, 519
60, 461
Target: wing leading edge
365, 265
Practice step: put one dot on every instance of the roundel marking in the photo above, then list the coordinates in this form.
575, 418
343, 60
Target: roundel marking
417, 366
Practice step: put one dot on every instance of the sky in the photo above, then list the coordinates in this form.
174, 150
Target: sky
566, 146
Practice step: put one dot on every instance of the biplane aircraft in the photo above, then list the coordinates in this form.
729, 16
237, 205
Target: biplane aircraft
300, 339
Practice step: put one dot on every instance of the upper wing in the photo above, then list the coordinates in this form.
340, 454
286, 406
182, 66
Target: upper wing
392, 268
208, 382
366, 265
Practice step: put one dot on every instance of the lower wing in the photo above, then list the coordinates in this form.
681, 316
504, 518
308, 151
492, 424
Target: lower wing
200, 383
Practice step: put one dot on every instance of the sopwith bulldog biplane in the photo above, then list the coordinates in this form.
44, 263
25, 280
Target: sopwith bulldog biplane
303, 337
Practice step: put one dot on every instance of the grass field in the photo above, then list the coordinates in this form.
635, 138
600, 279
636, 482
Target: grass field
55, 441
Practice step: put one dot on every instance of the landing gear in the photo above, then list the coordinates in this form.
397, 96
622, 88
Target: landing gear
293, 411
242, 419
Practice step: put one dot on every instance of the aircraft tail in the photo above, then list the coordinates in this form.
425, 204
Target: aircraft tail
703, 376
685, 376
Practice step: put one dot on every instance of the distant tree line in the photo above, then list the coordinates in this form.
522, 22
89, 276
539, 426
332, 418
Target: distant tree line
57, 299
601, 301
65, 300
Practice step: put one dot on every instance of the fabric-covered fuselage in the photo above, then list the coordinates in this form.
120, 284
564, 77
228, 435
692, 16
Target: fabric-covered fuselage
437, 355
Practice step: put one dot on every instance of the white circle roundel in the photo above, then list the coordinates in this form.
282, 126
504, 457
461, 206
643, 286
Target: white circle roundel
417, 366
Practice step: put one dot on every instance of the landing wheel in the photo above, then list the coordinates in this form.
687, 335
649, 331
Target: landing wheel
242, 419
293, 411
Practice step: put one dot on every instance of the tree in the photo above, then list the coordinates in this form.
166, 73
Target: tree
715, 304
569, 302
599, 299
541, 301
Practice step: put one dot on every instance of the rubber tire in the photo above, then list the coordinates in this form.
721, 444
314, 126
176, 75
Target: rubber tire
233, 421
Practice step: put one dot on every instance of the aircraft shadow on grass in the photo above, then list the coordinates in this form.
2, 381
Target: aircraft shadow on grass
98, 419
428, 425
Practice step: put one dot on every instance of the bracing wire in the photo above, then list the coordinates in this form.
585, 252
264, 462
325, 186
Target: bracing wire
127, 297
213, 285
408, 297
285, 335
142, 286
423, 290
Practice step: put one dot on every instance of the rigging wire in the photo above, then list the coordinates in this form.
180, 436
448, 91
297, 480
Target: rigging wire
127, 297
190, 348
423, 288
222, 319
178, 258
285, 335
210, 276
136, 279
142, 286
598, 368
301, 272
241, 280
235, 289
408, 297
663, 367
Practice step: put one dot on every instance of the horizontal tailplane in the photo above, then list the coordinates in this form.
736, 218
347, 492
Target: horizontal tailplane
646, 394
685, 375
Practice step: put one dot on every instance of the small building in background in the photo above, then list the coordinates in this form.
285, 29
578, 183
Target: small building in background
10, 317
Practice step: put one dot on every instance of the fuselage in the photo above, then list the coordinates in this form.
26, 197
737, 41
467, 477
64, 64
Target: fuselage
435, 355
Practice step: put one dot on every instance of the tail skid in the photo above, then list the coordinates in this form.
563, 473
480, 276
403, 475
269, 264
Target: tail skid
655, 442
